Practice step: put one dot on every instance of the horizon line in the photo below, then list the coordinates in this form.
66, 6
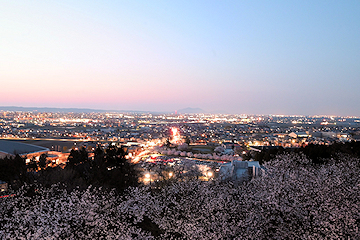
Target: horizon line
94, 110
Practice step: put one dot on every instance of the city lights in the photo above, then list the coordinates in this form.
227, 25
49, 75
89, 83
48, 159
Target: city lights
175, 135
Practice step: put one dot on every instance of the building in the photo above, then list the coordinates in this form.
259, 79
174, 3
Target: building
3, 186
11, 148
328, 134
239, 170
299, 135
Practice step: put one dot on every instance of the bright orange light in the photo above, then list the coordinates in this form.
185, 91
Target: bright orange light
175, 135
174, 131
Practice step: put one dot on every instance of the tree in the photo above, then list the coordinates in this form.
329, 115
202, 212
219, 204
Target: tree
77, 156
219, 149
32, 165
187, 140
183, 147
167, 143
113, 170
43, 161
293, 199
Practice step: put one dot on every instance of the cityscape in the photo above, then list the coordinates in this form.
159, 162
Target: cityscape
237, 136
180, 119
161, 150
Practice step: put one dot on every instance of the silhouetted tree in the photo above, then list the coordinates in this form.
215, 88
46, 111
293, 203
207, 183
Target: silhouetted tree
77, 156
98, 157
13, 170
112, 169
167, 143
43, 161
32, 165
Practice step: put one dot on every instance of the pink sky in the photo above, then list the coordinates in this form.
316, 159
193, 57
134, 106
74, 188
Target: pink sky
236, 57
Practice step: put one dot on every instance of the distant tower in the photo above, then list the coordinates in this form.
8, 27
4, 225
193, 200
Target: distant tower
175, 112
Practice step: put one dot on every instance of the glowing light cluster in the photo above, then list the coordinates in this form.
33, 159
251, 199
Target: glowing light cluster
175, 135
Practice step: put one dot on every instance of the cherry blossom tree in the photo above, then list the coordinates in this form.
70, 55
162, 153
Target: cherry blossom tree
292, 199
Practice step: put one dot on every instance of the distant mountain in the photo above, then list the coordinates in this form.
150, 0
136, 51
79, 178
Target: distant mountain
191, 110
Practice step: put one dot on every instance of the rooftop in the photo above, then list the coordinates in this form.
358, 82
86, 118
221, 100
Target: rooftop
14, 147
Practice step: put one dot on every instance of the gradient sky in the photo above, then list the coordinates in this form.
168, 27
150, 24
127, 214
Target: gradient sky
253, 57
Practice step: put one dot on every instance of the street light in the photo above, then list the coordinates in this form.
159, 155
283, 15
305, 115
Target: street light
148, 178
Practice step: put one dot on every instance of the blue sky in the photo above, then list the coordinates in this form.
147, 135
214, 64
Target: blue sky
255, 57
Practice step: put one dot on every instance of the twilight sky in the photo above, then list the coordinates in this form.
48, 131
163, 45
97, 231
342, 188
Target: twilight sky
253, 57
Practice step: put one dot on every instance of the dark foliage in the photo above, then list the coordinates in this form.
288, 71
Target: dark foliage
109, 169
13, 170
77, 157
42, 161
112, 170
318, 154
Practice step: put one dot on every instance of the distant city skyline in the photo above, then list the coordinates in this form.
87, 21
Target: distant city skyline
258, 57
184, 111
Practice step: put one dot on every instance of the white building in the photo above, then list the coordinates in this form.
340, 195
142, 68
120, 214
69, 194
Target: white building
239, 170
299, 135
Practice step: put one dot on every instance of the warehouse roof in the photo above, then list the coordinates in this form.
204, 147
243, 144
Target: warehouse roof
14, 147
